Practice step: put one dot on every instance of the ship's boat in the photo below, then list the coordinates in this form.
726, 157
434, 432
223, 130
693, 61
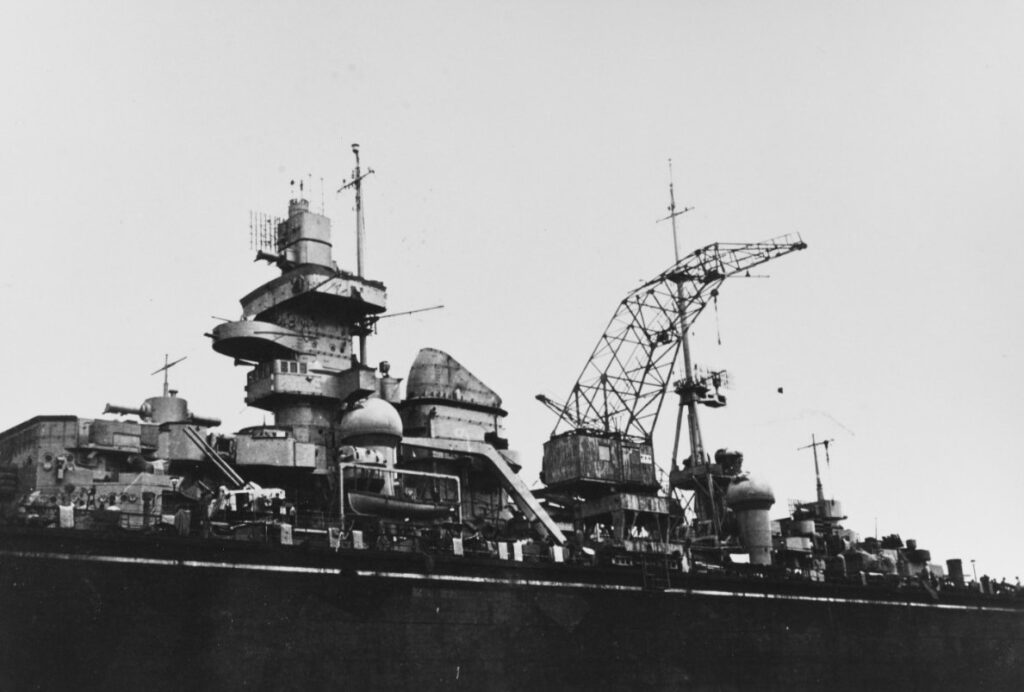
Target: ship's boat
379, 505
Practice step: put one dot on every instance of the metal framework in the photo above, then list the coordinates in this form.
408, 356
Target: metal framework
623, 384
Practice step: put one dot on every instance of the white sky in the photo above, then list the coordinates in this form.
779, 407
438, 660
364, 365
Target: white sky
520, 151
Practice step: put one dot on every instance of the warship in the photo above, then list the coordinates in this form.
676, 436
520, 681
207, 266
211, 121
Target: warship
378, 534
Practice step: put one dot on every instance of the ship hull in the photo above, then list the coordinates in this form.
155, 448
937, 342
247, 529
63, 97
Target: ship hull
94, 611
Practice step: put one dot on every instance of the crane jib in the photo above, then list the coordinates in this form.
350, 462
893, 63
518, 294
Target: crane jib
623, 383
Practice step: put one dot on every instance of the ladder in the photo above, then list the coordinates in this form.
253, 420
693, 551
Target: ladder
213, 456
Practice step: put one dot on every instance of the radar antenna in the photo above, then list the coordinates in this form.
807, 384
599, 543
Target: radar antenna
263, 231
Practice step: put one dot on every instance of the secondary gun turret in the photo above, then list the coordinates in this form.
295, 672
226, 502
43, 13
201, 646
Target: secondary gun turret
163, 409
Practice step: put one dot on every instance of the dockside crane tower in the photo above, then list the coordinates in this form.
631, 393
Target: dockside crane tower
602, 445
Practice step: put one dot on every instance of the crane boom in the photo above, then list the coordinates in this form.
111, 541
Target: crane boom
624, 382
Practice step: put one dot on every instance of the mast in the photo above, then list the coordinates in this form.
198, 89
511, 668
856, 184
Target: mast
687, 388
685, 403
360, 234
166, 367
817, 471
357, 184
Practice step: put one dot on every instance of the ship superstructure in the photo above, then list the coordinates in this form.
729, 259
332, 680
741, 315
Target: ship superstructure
299, 334
344, 451
370, 538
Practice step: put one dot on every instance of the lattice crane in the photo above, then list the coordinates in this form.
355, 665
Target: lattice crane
623, 385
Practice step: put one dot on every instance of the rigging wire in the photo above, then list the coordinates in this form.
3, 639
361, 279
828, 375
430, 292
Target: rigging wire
718, 330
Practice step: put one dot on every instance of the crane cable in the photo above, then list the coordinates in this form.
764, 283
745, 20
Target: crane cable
718, 330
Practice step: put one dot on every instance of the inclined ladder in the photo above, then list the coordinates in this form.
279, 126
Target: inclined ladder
513, 484
212, 455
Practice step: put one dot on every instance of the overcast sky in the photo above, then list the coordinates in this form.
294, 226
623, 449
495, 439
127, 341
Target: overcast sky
521, 158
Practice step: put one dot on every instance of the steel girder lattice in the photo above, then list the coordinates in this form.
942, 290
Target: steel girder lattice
623, 384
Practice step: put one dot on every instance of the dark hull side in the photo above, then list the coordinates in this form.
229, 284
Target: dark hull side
85, 611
